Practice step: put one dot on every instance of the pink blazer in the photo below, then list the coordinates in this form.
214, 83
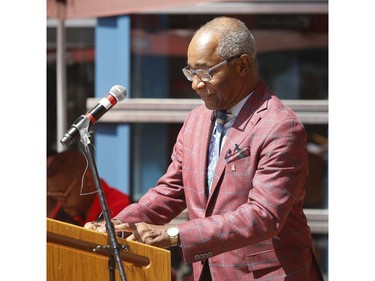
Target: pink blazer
252, 225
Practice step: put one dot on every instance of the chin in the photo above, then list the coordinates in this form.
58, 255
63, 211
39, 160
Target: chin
209, 106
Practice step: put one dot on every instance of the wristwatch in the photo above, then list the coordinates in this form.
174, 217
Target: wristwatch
173, 233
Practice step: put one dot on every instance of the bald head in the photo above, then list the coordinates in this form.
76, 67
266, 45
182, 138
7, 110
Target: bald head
233, 37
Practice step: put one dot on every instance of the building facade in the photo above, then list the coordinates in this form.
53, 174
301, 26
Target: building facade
146, 52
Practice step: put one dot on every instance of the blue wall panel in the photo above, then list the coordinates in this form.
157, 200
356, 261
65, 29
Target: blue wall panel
112, 141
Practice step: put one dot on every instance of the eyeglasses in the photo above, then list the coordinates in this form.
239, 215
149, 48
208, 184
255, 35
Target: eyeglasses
204, 74
60, 194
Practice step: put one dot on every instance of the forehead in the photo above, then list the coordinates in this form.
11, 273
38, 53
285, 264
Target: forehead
202, 50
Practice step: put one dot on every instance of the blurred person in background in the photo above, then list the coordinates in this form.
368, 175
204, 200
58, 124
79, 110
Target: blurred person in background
71, 190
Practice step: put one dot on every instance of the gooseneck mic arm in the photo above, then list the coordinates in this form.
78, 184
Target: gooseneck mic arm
114, 246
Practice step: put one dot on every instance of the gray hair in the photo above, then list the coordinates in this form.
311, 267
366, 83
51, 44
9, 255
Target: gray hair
234, 37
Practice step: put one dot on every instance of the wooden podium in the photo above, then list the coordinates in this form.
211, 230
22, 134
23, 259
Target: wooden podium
71, 256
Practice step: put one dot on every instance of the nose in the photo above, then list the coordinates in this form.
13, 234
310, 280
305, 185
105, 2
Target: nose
197, 83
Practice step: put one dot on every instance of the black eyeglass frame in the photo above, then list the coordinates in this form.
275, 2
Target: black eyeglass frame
204, 74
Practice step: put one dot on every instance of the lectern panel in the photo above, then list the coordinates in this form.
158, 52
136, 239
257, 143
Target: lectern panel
73, 255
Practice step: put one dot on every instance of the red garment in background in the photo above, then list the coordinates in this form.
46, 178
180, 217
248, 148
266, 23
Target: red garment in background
116, 201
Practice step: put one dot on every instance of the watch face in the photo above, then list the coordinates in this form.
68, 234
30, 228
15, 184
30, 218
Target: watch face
172, 231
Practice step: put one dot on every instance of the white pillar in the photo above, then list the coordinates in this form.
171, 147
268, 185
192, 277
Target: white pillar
61, 98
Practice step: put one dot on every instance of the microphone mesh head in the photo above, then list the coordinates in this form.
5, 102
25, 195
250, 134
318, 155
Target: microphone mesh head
119, 92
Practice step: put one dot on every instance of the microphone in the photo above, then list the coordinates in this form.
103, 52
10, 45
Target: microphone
116, 94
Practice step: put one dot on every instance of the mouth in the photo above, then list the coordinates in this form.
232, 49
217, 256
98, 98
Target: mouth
204, 96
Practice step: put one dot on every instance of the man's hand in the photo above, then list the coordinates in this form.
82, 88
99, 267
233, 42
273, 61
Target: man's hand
154, 235
98, 226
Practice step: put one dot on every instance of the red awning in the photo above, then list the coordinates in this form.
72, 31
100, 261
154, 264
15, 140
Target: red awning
72, 9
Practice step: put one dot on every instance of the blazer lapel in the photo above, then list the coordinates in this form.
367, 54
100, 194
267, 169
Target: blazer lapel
247, 118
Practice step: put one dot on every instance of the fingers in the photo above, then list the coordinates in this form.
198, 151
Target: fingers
131, 238
125, 227
89, 225
100, 226
154, 235
96, 226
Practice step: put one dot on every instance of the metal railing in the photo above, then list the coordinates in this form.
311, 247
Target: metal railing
145, 110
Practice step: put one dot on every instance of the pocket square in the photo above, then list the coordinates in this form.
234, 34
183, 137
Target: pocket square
238, 153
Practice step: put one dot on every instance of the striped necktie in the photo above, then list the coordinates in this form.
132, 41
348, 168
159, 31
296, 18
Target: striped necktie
215, 144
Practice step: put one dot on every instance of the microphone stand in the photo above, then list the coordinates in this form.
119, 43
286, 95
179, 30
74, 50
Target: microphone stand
114, 246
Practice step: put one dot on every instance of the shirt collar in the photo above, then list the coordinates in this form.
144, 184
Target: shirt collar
235, 110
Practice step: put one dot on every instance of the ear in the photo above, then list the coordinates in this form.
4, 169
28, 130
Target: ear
244, 62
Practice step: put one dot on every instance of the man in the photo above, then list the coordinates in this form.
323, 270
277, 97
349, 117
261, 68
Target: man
247, 222
71, 190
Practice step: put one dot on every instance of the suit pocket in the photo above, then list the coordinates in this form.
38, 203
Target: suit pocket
289, 260
238, 154
238, 171
262, 260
